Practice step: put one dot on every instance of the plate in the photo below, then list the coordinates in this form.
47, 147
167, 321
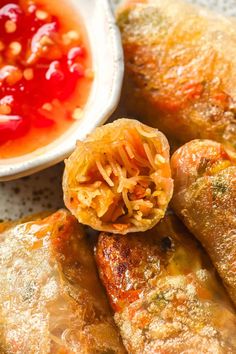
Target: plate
43, 190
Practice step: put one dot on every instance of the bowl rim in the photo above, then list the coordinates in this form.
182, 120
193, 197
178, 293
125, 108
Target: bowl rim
48, 158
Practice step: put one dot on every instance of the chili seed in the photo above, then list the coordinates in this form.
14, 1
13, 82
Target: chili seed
41, 15
15, 48
28, 74
10, 26
77, 114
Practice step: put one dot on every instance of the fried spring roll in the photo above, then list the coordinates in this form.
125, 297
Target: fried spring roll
180, 69
118, 179
205, 199
164, 292
51, 300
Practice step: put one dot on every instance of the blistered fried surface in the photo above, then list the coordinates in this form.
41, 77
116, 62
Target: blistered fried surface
50, 297
118, 179
180, 69
205, 198
163, 289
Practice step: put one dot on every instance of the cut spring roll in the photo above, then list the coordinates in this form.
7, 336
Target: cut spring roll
51, 300
164, 292
180, 69
118, 179
205, 199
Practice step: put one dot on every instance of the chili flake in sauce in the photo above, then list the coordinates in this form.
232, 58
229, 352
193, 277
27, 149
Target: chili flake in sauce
45, 73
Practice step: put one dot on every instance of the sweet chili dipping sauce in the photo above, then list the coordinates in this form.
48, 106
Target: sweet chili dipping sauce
45, 73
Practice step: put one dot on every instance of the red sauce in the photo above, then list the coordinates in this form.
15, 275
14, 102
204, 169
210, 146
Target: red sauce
45, 73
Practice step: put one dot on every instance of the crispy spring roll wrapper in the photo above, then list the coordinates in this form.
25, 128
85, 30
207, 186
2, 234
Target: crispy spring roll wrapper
118, 180
205, 199
164, 292
51, 300
180, 69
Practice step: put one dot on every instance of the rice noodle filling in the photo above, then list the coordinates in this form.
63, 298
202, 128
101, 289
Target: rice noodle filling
132, 169
104, 174
129, 163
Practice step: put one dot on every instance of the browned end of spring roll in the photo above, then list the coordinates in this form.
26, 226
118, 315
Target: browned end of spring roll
164, 292
119, 179
205, 199
51, 300
180, 69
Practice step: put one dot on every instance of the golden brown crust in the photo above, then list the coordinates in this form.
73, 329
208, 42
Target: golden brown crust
164, 291
118, 180
180, 69
50, 295
205, 199
5, 225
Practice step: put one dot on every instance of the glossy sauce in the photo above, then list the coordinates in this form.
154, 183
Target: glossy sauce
45, 73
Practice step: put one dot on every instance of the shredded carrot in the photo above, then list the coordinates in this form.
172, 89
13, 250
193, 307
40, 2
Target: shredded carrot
203, 293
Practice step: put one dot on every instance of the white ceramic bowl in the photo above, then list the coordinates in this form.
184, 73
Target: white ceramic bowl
107, 59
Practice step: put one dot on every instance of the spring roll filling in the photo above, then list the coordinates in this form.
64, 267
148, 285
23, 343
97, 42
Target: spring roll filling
125, 182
